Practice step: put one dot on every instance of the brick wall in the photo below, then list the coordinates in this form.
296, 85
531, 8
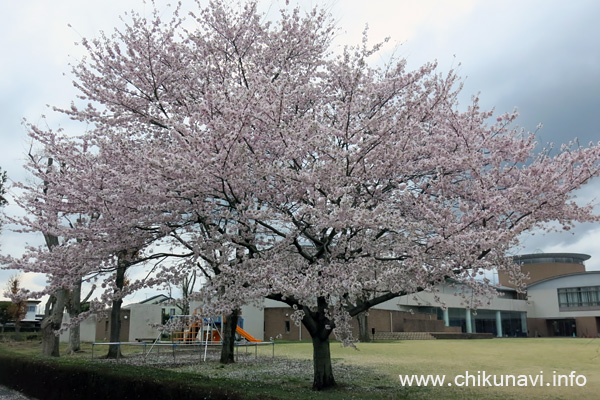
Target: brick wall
587, 326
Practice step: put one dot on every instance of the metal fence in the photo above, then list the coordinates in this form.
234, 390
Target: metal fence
179, 351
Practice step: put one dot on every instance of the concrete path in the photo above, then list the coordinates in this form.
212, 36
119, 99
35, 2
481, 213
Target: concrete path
9, 394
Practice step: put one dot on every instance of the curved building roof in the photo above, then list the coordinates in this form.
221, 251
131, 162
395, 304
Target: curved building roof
554, 278
551, 258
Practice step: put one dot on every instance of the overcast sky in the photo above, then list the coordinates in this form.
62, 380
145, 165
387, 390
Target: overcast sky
541, 56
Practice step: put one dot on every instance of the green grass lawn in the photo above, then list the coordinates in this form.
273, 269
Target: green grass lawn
385, 361
371, 372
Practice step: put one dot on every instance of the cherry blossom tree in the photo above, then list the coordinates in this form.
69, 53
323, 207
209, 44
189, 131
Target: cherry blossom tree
278, 169
81, 234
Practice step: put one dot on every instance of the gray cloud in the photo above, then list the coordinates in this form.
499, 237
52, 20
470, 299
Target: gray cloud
542, 56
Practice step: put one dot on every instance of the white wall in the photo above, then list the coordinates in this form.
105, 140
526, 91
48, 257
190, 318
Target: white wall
87, 329
254, 321
142, 317
543, 296
451, 297
31, 315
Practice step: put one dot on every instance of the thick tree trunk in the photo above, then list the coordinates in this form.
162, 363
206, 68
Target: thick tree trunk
320, 327
228, 346
323, 373
53, 314
114, 350
50, 342
364, 335
74, 339
52, 322
74, 309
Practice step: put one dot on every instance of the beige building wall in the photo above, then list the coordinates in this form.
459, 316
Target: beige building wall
143, 316
546, 265
538, 327
103, 327
254, 321
403, 321
587, 326
278, 324
87, 329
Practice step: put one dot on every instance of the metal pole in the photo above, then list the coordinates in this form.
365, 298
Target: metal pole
205, 348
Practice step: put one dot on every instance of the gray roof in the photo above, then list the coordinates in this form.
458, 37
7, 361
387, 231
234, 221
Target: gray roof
564, 276
543, 257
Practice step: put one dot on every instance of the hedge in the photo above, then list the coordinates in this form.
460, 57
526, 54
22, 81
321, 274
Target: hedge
50, 379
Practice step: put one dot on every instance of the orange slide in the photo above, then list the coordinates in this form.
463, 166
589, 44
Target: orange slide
246, 335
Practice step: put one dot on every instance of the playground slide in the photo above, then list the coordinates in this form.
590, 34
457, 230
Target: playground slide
246, 335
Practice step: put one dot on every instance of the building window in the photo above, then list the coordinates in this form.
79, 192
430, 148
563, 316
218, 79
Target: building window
287, 327
586, 296
31, 309
172, 311
550, 260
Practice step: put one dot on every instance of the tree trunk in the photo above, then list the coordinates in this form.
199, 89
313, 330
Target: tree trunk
53, 314
74, 339
50, 342
229, 327
52, 322
74, 309
320, 327
364, 335
323, 374
185, 307
114, 350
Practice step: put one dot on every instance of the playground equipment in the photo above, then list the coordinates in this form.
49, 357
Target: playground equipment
246, 335
193, 331
204, 330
